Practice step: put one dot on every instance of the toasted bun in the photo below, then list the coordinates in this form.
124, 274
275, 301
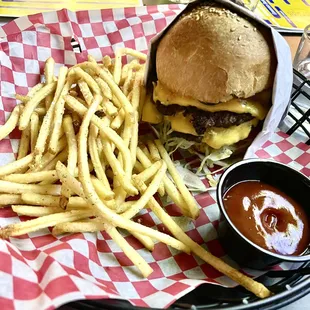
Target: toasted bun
213, 55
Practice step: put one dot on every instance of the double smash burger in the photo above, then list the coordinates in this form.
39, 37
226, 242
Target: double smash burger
215, 72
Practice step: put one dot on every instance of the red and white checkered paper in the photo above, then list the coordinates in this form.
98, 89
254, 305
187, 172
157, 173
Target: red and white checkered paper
40, 271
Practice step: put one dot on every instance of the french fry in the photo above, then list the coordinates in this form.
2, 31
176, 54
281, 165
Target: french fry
34, 130
72, 149
118, 120
48, 157
34, 90
32, 177
91, 58
250, 284
171, 190
11, 123
40, 111
9, 199
104, 87
136, 91
33, 103
62, 157
113, 86
16, 166
35, 211
102, 191
149, 172
151, 190
41, 200
109, 108
88, 96
75, 227
106, 60
48, 118
88, 79
93, 151
49, 78
58, 115
63, 71
93, 199
26, 227
17, 188
189, 199
24, 144
107, 132
155, 156
134, 140
118, 66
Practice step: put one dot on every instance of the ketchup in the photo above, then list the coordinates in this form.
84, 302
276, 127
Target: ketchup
268, 217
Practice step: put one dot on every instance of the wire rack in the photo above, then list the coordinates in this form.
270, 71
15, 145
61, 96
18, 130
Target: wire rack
297, 121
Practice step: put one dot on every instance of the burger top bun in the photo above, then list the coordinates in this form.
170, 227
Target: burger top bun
212, 55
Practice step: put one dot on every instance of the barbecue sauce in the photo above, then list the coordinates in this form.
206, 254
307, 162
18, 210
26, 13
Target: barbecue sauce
268, 217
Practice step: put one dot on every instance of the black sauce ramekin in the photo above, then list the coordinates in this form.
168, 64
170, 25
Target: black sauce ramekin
290, 181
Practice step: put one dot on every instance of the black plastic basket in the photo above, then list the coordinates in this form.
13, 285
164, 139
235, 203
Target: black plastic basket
287, 286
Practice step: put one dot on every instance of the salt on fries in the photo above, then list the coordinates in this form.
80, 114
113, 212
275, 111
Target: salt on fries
81, 130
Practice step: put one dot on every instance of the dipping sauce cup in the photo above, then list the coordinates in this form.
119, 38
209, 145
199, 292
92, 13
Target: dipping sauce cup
289, 181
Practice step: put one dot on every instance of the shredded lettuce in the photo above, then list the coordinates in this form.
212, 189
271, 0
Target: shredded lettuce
208, 160
190, 179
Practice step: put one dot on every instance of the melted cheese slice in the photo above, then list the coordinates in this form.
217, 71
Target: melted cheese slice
216, 137
255, 108
149, 113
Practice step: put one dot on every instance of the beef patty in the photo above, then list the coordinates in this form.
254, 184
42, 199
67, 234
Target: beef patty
202, 120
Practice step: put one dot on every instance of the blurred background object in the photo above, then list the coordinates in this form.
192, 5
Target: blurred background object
302, 58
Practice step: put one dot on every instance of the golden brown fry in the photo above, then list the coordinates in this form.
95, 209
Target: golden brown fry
105, 89
62, 157
130, 252
24, 143
49, 78
106, 60
171, 190
11, 123
33, 103
151, 190
102, 191
58, 117
91, 58
35, 211
155, 156
87, 78
16, 166
61, 82
94, 155
118, 120
105, 131
40, 111
136, 90
42, 222
149, 172
75, 227
113, 86
187, 196
88, 96
32, 177
34, 130
23, 99
48, 157
48, 118
92, 197
134, 139
9, 199
118, 66
72, 149
253, 286
17, 188
35, 89
41, 200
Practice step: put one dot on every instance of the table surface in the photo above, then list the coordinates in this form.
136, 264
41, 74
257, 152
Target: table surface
293, 41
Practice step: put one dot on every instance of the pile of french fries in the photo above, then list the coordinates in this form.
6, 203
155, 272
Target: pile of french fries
79, 160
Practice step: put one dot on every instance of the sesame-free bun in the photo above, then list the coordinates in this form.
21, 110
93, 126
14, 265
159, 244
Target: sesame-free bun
213, 55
